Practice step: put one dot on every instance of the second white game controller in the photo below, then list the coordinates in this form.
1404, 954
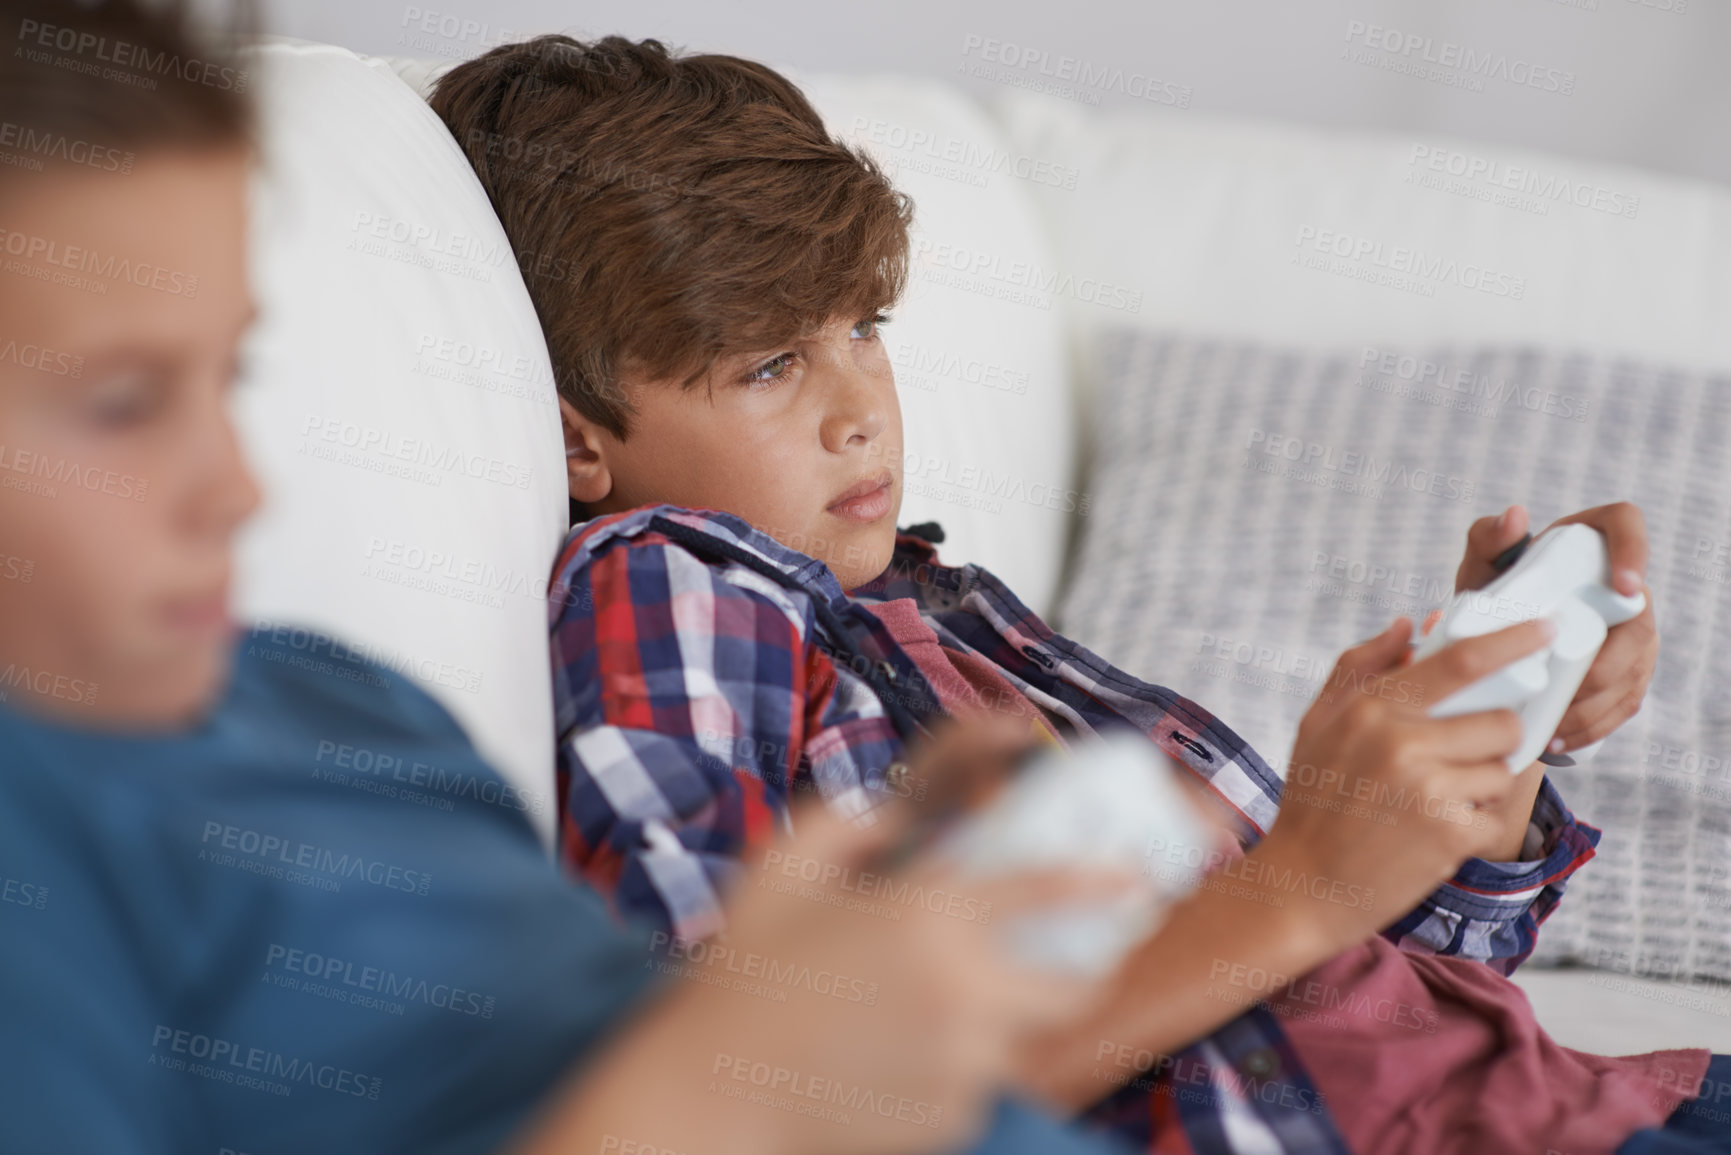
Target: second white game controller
1111, 802
1563, 575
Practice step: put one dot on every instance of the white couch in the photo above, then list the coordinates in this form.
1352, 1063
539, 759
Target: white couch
1040, 224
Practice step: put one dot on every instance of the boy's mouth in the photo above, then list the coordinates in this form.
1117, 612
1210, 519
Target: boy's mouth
866, 500
205, 613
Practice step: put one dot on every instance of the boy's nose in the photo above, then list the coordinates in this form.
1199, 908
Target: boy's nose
226, 492
860, 411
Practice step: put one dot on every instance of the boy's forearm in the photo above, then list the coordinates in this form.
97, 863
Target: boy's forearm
649, 1089
1191, 977
1516, 812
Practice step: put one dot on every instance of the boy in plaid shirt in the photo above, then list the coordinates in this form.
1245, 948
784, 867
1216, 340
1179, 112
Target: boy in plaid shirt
737, 620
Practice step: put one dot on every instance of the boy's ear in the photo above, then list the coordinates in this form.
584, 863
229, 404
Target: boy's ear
587, 476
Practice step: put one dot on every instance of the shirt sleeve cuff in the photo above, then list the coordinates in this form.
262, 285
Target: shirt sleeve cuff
1490, 911
1556, 845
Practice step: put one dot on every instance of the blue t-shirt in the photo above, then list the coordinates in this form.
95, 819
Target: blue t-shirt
316, 922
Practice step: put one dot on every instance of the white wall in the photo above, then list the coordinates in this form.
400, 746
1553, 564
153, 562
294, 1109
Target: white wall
1649, 82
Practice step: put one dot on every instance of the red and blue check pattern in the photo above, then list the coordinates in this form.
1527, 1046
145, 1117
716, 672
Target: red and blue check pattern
690, 704
695, 694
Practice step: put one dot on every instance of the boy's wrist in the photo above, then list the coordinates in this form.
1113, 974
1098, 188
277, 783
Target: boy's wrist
1513, 815
707, 1025
1316, 922
1189, 978
650, 1087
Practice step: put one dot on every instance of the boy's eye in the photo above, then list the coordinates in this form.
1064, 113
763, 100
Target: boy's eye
125, 399
777, 367
771, 370
870, 325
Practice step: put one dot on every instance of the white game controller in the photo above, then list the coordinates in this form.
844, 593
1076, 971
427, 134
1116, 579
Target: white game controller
1112, 802
1563, 575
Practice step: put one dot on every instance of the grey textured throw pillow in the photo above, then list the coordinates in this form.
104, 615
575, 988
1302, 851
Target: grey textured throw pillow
1255, 511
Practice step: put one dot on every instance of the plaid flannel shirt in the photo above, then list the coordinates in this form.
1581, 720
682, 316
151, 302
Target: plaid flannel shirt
703, 672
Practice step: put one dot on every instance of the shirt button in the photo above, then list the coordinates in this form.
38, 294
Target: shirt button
1259, 1064
897, 775
888, 671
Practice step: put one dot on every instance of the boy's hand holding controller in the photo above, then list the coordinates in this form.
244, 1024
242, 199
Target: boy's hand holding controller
1380, 794
1561, 575
1429, 791
1619, 672
1382, 803
1617, 681
900, 978
1380, 798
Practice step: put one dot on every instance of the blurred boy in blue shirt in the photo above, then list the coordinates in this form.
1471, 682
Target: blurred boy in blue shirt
205, 946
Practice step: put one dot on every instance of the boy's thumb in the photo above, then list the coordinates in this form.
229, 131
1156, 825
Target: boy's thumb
1382, 651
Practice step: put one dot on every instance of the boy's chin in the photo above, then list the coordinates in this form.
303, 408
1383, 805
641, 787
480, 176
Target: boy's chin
865, 557
178, 694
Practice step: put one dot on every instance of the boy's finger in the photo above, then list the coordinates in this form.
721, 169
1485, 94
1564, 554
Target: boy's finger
1617, 682
1373, 656
1625, 530
1465, 661
963, 762
1587, 722
1485, 784
1044, 889
1626, 660
1476, 738
1486, 538
967, 758
1377, 654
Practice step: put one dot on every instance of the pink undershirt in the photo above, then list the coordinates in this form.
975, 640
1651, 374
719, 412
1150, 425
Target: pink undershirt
965, 683
1414, 1054
1429, 1053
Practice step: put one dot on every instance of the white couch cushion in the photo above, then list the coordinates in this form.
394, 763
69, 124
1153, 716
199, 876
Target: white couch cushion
1263, 509
1615, 1014
401, 412
1218, 221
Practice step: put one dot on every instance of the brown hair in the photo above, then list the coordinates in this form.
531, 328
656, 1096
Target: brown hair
667, 210
89, 83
